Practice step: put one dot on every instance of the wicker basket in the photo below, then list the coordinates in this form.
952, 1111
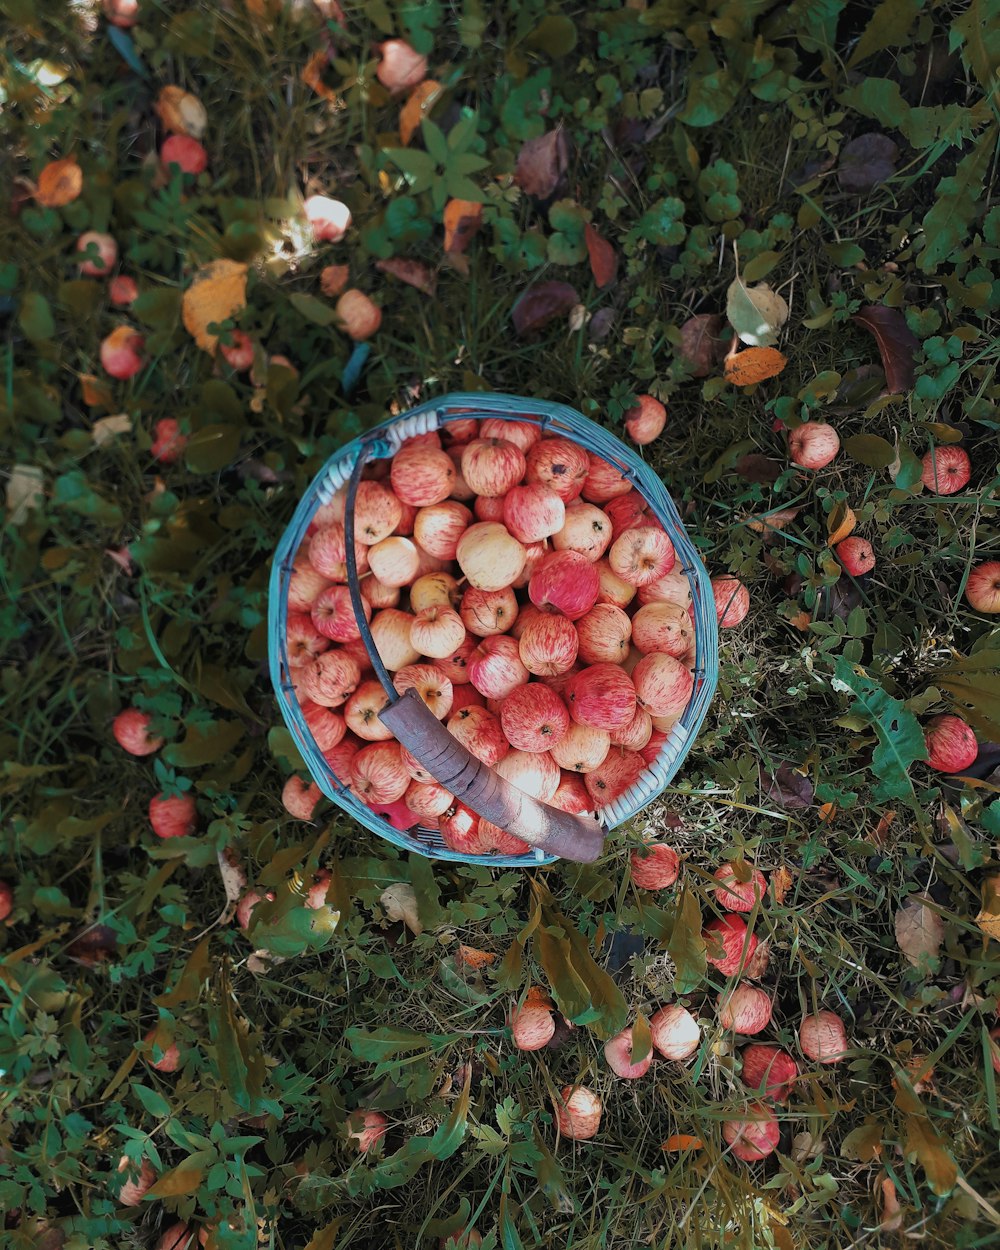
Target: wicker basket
554, 419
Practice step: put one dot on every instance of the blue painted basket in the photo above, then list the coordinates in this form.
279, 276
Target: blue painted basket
554, 419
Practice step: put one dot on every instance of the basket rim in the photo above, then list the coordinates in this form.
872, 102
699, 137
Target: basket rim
382, 441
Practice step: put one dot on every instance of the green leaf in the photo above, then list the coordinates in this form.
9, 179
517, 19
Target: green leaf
686, 946
760, 266
977, 32
888, 27
313, 309
212, 448
900, 738
159, 308
712, 91
554, 35
871, 450
204, 743
958, 201
435, 141
383, 1044
973, 681
152, 1101
35, 317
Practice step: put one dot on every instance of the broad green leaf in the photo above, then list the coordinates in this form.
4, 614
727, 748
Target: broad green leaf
887, 27
181, 1180
973, 681
152, 1101
313, 309
871, 450
325, 1238
238, 1056
212, 448
712, 91
900, 738
977, 31
554, 35
204, 743
686, 946
756, 314
958, 201
382, 1044
35, 317
196, 972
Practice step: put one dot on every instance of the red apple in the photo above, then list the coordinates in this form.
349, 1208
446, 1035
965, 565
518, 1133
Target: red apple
438, 527
559, 464
325, 725
186, 153
299, 797
578, 1112
823, 1037
131, 732
437, 632
378, 774
523, 433
495, 667
422, 475
736, 895
646, 420
655, 867
427, 799
618, 1053
951, 744
548, 645
620, 770
982, 590
856, 555
673, 588
533, 512
121, 353
730, 944
946, 470
333, 614
329, 219
173, 817
651, 751
534, 772
377, 512
732, 600
612, 588
534, 554
327, 553
304, 642
430, 683
813, 444
361, 712
463, 430
745, 1010
586, 529
122, 13
377, 594
581, 749
604, 634
304, 585
675, 1032
492, 466
603, 481
533, 718
642, 556
330, 679
769, 1070
401, 66
490, 508
456, 666
391, 631
488, 612
489, 556
636, 733
466, 695
480, 732
626, 512
122, 290
101, 251
238, 353
754, 1137
566, 582
663, 686
601, 696
571, 794
663, 628
366, 1128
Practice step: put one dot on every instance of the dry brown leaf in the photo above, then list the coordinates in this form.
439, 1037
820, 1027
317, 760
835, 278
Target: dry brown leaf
771, 522
840, 523
218, 291
781, 883
989, 916
462, 219
603, 257
108, 428
801, 621
59, 183
753, 364
412, 272
25, 492
473, 958
399, 901
884, 824
418, 105
312, 74
892, 1214
180, 112
96, 392
919, 931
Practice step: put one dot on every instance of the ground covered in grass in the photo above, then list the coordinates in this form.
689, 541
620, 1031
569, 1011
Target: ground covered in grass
636, 155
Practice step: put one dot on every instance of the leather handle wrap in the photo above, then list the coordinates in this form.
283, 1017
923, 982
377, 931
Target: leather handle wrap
579, 838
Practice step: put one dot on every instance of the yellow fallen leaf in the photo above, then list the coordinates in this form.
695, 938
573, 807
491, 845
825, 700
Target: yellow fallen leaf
218, 291
418, 105
180, 112
840, 523
989, 915
59, 183
753, 364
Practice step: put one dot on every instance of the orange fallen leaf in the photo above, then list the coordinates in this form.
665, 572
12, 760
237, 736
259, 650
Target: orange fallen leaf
96, 393
312, 74
840, 523
781, 883
892, 1215
537, 997
473, 958
801, 621
418, 105
827, 812
603, 257
882, 830
59, 183
682, 1141
753, 364
219, 291
462, 219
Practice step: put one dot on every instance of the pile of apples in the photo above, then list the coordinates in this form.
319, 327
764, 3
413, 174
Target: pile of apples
523, 588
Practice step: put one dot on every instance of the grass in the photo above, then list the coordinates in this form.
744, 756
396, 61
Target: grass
252, 1129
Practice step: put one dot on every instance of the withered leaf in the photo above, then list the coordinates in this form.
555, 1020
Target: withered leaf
462, 219
840, 523
541, 163
603, 257
59, 183
919, 931
418, 105
788, 788
866, 161
897, 344
543, 303
758, 468
702, 344
412, 272
753, 364
219, 290
312, 74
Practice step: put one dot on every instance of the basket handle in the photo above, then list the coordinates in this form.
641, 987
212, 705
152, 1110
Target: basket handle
452, 765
